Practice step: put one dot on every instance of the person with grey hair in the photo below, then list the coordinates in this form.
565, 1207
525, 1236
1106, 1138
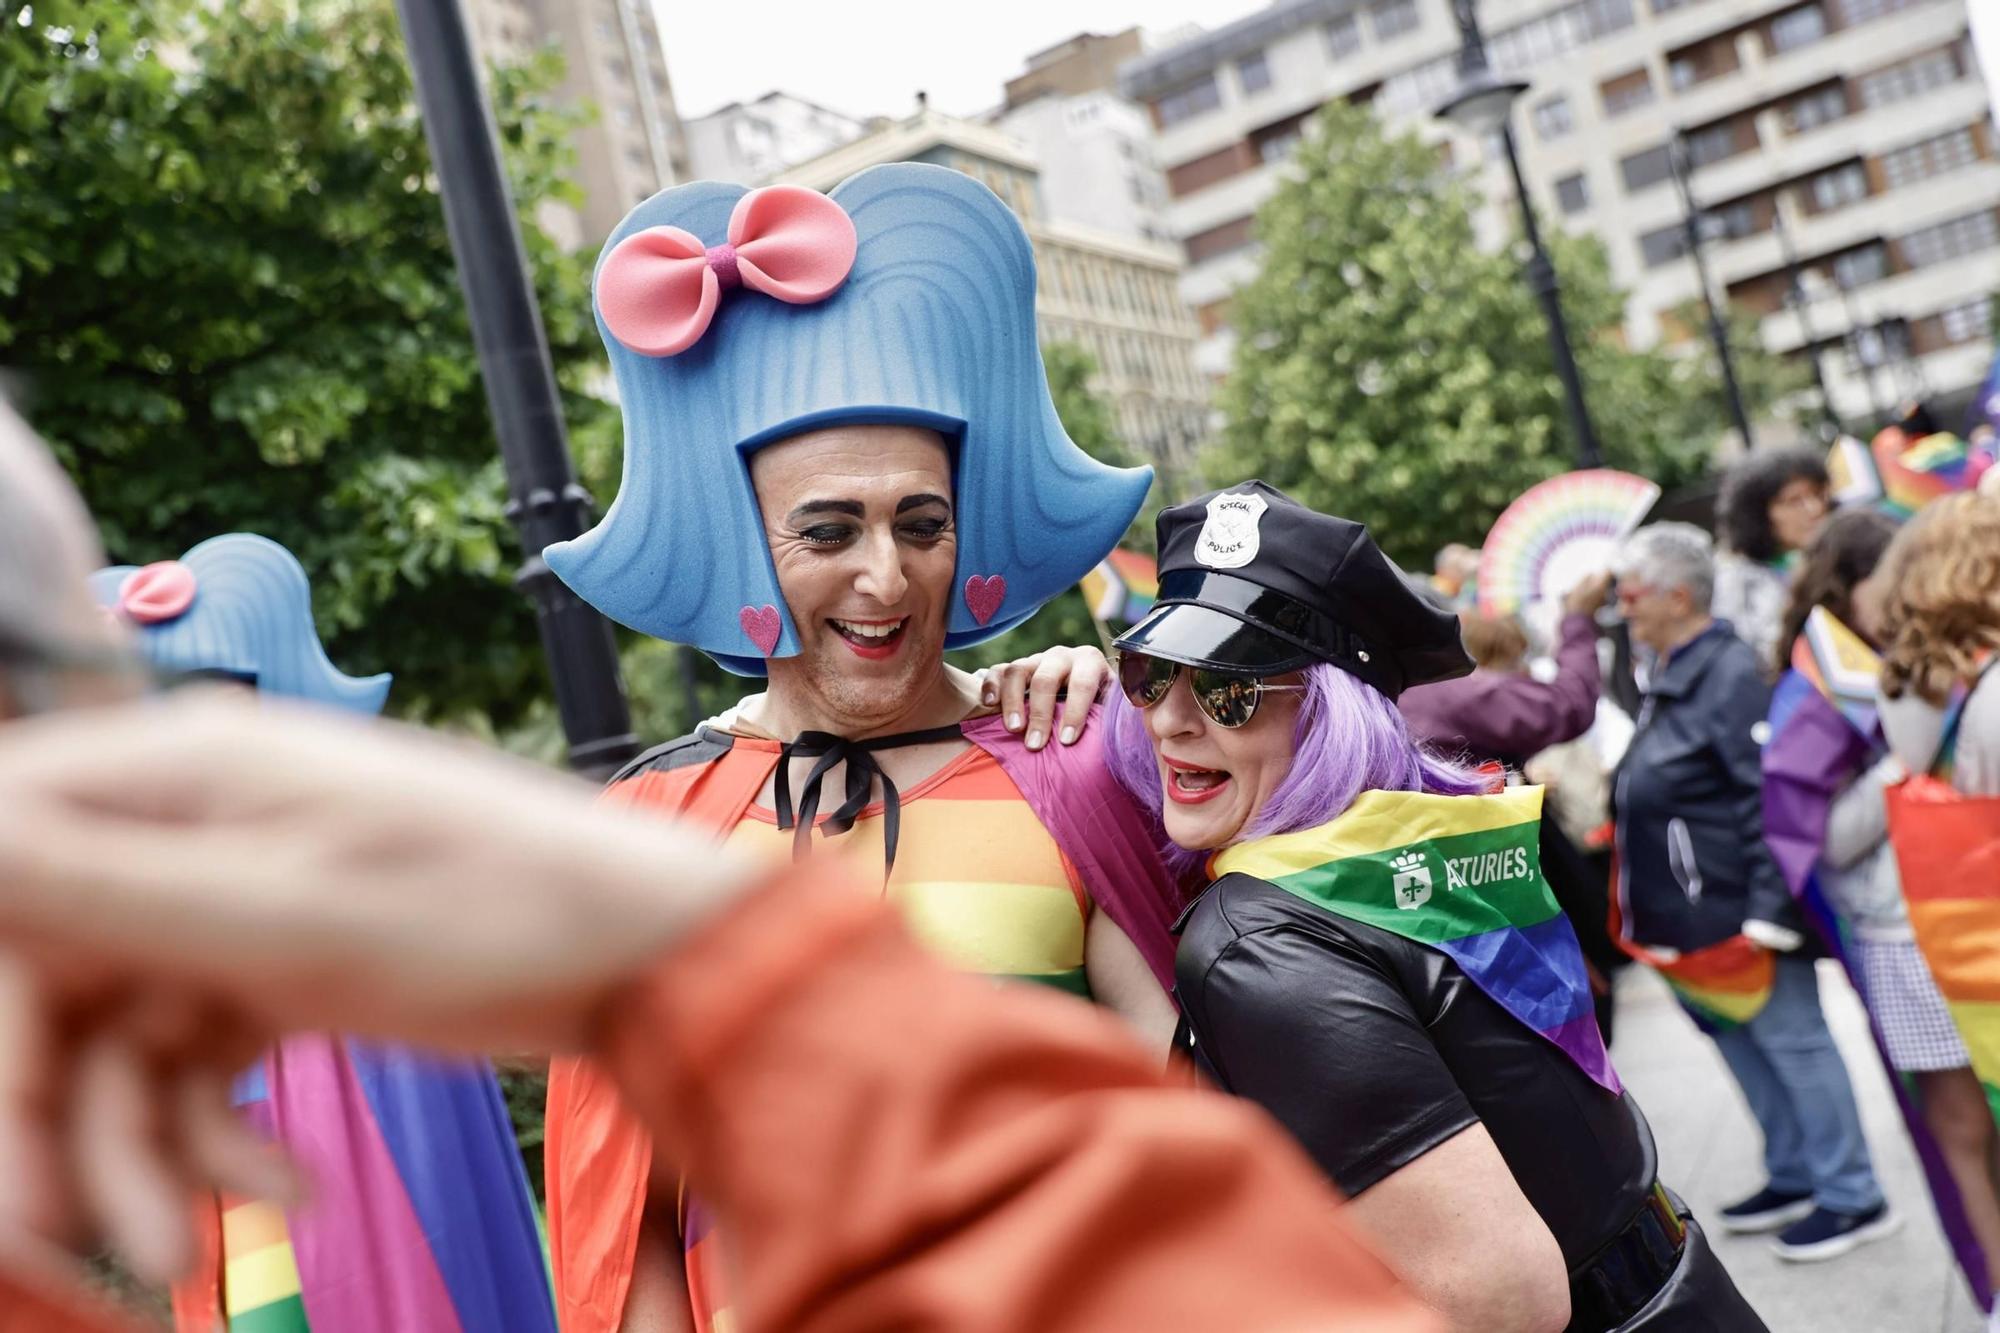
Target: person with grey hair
1701, 899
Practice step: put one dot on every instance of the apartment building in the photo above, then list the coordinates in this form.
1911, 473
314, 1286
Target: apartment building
1116, 296
750, 142
615, 62
1851, 136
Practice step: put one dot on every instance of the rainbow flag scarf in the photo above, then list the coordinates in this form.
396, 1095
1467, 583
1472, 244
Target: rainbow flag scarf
1459, 874
1723, 985
420, 1216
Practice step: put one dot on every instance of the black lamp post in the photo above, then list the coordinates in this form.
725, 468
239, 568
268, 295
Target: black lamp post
1718, 332
545, 502
1482, 106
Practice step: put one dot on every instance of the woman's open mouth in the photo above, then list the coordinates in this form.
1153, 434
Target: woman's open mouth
1188, 784
874, 639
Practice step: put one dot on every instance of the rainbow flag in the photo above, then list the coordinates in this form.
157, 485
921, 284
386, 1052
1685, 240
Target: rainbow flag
420, 1215
1459, 874
1822, 732
1948, 847
1123, 587
1915, 472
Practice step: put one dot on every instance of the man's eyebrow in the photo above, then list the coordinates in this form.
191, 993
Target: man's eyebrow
851, 508
910, 502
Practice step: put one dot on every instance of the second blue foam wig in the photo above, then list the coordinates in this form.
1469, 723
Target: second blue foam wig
250, 616
935, 327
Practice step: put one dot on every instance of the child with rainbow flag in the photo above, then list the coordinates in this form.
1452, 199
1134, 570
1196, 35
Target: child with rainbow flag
1377, 958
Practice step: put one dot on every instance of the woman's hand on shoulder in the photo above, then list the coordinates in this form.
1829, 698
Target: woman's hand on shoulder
1047, 694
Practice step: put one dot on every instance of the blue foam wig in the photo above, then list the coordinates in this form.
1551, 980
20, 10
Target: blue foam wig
250, 617
934, 327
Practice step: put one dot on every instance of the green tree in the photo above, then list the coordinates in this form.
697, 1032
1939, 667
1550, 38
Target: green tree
1390, 370
228, 296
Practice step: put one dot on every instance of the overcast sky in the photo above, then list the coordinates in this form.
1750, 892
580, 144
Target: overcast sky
869, 57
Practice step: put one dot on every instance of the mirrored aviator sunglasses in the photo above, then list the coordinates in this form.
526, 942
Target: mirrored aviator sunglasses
1228, 699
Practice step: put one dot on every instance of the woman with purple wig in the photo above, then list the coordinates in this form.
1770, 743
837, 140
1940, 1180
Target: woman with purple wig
1376, 958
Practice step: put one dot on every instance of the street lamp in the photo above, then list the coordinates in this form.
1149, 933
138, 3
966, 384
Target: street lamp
1718, 332
545, 502
1482, 105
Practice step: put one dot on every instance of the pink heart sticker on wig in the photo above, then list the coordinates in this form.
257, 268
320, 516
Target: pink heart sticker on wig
983, 595
761, 623
156, 593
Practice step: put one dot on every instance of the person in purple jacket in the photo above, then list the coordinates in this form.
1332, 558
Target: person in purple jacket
1507, 715
1503, 715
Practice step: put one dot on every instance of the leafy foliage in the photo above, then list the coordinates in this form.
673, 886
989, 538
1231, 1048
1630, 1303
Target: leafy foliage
227, 291
1391, 371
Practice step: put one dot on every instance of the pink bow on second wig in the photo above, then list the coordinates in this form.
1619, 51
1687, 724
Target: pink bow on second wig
658, 288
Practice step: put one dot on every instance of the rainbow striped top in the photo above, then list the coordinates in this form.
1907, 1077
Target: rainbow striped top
979, 881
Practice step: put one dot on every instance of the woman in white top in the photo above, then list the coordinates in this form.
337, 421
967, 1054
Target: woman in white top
1847, 571
1771, 507
1939, 612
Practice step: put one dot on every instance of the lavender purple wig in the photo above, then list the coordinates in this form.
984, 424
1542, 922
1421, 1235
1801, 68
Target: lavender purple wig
1350, 738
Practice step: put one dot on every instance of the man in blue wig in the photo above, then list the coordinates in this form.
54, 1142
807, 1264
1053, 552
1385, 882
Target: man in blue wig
420, 1215
842, 460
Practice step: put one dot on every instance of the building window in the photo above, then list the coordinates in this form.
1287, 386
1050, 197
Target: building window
1279, 146
1845, 184
1949, 240
1253, 73
1969, 322
1661, 246
1206, 170
1627, 92
1188, 102
1553, 33
1573, 193
1797, 27
1861, 11
1644, 170
1735, 220
1714, 143
1216, 241
1343, 37
1552, 118
1907, 78
1392, 18
1811, 110
1931, 157
1419, 86
1858, 268
1667, 6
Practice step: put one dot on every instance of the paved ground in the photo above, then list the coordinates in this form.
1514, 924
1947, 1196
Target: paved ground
1709, 1152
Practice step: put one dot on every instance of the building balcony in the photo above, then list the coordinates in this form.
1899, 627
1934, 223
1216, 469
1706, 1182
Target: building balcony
1843, 54
1909, 295
1237, 197
1863, 131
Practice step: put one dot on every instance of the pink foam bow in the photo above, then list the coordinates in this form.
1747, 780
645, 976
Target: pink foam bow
156, 593
658, 288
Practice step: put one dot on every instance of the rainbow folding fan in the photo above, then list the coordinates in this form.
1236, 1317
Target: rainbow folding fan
1557, 534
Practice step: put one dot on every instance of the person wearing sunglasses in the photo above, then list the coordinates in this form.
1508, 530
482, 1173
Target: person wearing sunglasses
1376, 958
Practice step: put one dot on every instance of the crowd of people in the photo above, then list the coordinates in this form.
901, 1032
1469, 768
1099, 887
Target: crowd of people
1242, 983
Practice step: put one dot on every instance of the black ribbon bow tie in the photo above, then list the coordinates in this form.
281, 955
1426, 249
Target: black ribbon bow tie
863, 772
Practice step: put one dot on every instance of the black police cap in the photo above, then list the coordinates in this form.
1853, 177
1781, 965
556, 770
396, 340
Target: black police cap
1253, 581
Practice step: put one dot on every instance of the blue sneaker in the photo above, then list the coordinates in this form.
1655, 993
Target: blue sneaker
1766, 1210
1825, 1234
